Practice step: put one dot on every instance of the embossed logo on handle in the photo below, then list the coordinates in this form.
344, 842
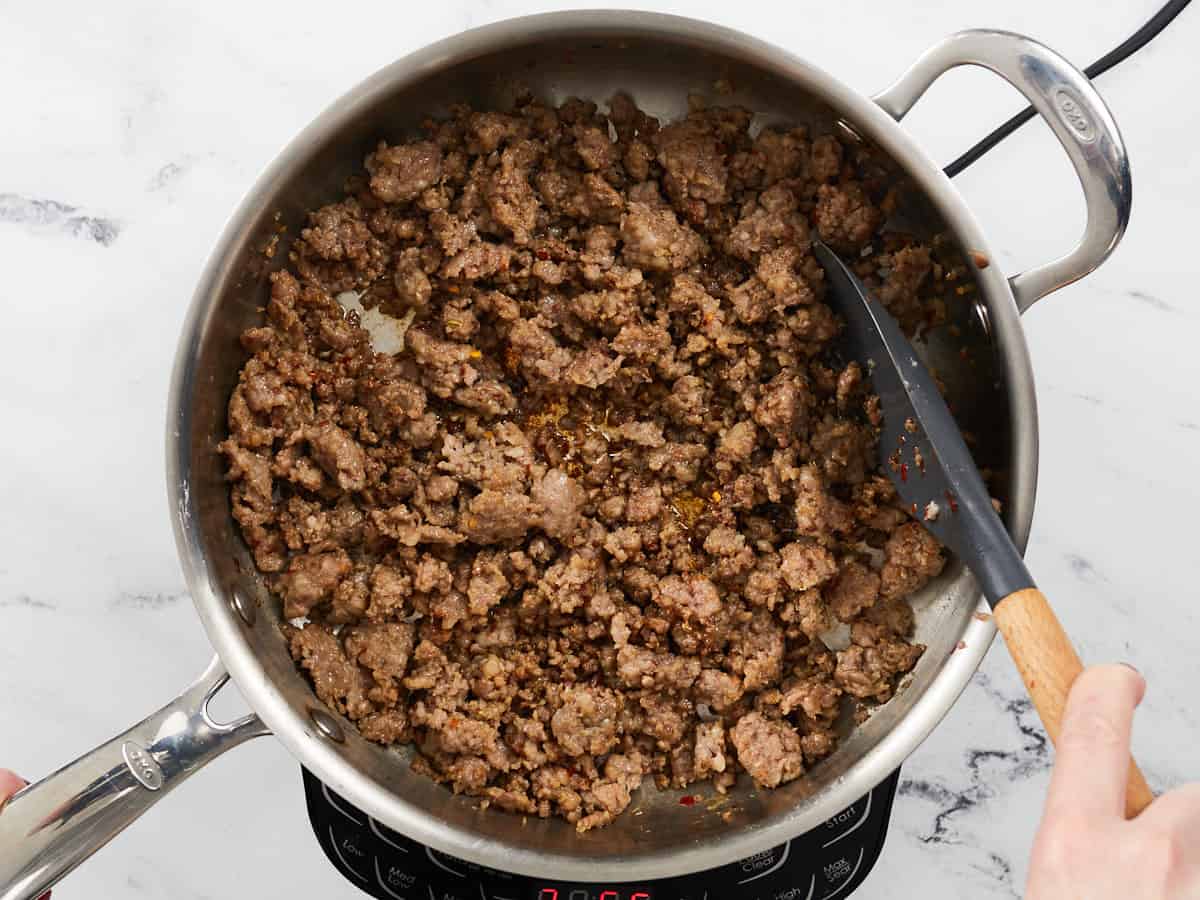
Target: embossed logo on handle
1071, 111
142, 765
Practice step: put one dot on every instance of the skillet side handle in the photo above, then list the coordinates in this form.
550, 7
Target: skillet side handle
49, 828
1049, 666
1077, 115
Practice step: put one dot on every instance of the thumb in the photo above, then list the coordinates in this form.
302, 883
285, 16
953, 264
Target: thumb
10, 783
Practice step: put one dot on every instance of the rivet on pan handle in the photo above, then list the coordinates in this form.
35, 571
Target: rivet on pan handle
1077, 115
50, 827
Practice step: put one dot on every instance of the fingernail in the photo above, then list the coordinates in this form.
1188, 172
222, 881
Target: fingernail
1131, 668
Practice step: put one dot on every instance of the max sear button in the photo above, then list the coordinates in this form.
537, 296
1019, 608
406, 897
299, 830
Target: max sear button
838, 873
760, 865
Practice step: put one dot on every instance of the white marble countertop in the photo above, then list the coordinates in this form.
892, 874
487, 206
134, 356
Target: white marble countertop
131, 131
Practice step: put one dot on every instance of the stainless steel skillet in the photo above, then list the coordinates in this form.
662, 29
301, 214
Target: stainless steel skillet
49, 828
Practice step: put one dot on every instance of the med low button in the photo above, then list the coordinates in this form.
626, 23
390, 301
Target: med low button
397, 883
760, 865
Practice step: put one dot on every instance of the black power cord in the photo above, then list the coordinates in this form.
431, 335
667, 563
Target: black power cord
1136, 41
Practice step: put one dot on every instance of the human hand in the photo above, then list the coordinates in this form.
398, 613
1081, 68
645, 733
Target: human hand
1085, 848
10, 783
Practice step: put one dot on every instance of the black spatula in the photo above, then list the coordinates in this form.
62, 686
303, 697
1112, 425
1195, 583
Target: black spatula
923, 452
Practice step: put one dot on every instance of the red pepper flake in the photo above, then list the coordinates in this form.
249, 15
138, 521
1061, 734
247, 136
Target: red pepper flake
953, 502
904, 471
542, 254
914, 509
687, 800
963, 354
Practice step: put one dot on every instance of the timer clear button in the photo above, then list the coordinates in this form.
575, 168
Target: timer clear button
760, 865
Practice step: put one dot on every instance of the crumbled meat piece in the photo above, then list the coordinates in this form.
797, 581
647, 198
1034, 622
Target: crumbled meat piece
757, 653
644, 504
412, 285
340, 456
806, 566
640, 668
869, 673
311, 579
827, 156
738, 443
912, 556
509, 194
587, 721
561, 498
692, 157
846, 218
594, 147
769, 750
909, 268
400, 173
782, 407
488, 586
592, 511
655, 240
856, 588
710, 748
718, 689
696, 598
338, 681
494, 516
382, 648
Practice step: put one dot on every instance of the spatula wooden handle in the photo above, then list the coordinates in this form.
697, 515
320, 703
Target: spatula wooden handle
1049, 666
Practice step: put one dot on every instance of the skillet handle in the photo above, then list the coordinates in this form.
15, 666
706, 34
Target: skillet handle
49, 828
1077, 115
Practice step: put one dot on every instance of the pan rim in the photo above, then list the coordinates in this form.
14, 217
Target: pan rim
296, 731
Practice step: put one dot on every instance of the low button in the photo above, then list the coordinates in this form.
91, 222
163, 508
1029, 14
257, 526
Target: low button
349, 849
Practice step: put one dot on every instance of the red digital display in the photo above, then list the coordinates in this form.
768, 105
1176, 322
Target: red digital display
590, 894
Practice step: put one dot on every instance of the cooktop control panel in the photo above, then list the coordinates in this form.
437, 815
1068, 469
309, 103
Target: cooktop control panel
827, 862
